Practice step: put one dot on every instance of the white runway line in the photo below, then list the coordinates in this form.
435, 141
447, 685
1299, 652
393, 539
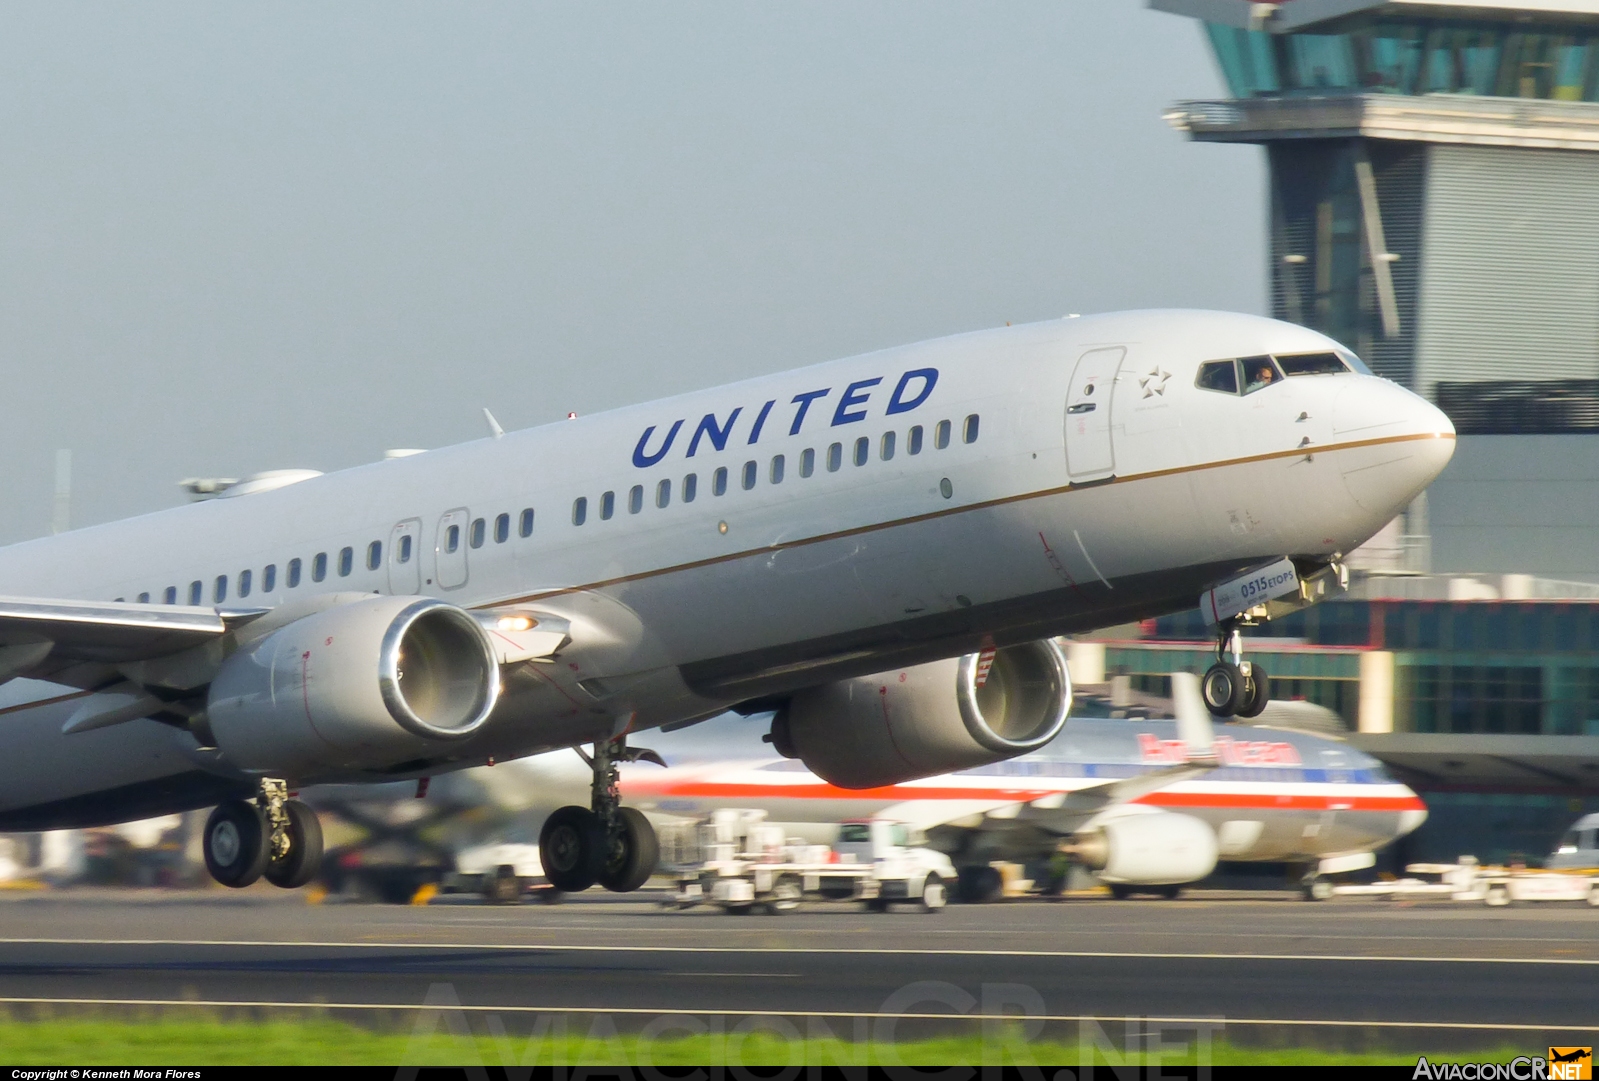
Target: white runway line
635, 1011
871, 951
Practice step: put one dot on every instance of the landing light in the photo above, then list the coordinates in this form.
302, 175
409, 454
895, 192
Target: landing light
517, 623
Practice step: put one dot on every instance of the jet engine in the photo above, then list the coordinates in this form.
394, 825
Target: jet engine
929, 719
1155, 849
363, 685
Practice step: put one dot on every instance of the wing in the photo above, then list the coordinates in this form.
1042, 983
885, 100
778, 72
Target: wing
34, 630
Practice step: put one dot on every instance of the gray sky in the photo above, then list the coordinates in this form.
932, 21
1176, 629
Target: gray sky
241, 237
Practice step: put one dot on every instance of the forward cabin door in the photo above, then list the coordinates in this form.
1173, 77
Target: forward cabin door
1088, 449
449, 549
405, 557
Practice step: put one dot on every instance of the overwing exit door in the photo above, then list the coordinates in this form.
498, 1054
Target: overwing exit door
1088, 450
449, 549
405, 557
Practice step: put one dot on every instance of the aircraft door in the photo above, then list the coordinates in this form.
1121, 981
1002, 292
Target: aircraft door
1088, 401
449, 549
405, 557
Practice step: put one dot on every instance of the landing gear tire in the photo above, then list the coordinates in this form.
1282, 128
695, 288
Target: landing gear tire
1257, 693
1316, 889
631, 854
877, 904
1223, 688
301, 862
573, 849
1120, 892
236, 843
933, 896
978, 885
1168, 893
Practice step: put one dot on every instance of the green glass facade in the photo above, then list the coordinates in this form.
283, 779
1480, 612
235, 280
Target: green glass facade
1526, 668
1385, 55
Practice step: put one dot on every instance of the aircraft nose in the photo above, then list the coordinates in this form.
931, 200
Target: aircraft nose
1411, 820
1393, 443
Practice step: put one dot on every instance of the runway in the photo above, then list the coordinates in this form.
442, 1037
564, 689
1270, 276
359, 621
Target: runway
1425, 976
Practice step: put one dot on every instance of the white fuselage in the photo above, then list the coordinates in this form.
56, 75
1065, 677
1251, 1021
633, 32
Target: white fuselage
806, 564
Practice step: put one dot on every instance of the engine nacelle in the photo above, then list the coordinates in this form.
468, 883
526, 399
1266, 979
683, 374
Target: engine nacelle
1155, 849
930, 719
362, 685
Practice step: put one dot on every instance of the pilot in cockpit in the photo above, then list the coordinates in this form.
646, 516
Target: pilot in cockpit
1258, 372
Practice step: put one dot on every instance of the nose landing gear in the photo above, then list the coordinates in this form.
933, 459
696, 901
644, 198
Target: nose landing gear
1234, 687
611, 845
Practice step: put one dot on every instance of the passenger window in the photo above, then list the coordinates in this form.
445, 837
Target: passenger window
969, 430
502, 529
1219, 375
219, 592
887, 449
525, 526
244, 583
269, 578
663, 493
607, 506
777, 469
749, 475
374, 555
835, 457
1313, 364
913, 440
346, 561
171, 595
402, 554
294, 573
807, 462
144, 598
479, 531
1259, 372
719, 481
319, 566
863, 450
691, 485
195, 590
580, 510
941, 435
635, 499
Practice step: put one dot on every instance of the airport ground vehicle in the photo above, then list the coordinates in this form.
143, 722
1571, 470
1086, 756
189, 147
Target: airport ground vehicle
504, 872
1578, 846
751, 866
1467, 880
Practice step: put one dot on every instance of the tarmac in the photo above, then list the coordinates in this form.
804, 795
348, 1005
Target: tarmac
1246, 967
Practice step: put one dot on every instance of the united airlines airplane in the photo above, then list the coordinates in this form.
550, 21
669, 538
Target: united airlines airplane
880, 548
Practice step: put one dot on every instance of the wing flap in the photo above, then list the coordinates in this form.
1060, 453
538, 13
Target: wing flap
103, 632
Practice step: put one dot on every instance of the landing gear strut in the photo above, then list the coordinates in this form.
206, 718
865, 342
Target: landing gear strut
608, 844
275, 836
1234, 687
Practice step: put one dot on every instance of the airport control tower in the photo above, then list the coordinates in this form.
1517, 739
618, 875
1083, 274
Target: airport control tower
1434, 189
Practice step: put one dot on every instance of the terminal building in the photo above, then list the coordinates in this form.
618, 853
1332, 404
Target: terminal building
1433, 170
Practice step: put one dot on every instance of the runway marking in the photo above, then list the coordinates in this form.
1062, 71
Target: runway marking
875, 951
1144, 1019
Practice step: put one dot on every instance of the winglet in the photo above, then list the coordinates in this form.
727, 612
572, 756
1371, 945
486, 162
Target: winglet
1193, 719
494, 426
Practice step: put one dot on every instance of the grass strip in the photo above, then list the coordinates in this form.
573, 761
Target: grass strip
161, 1041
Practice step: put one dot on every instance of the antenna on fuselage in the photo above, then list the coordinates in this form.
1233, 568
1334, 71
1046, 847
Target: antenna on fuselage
494, 426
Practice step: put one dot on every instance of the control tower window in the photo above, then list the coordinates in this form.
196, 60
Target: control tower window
1219, 375
1313, 364
1259, 373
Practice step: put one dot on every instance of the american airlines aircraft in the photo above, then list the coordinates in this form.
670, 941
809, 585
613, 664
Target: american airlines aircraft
1130, 799
935, 512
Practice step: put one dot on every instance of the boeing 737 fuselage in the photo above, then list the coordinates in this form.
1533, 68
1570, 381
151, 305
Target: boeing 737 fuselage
940, 510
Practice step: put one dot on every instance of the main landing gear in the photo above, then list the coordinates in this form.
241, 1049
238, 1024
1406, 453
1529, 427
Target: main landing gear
609, 844
1234, 687
275, 837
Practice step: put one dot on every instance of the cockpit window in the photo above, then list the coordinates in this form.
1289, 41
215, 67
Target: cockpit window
1219, 375
1259, 372
1313, 364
